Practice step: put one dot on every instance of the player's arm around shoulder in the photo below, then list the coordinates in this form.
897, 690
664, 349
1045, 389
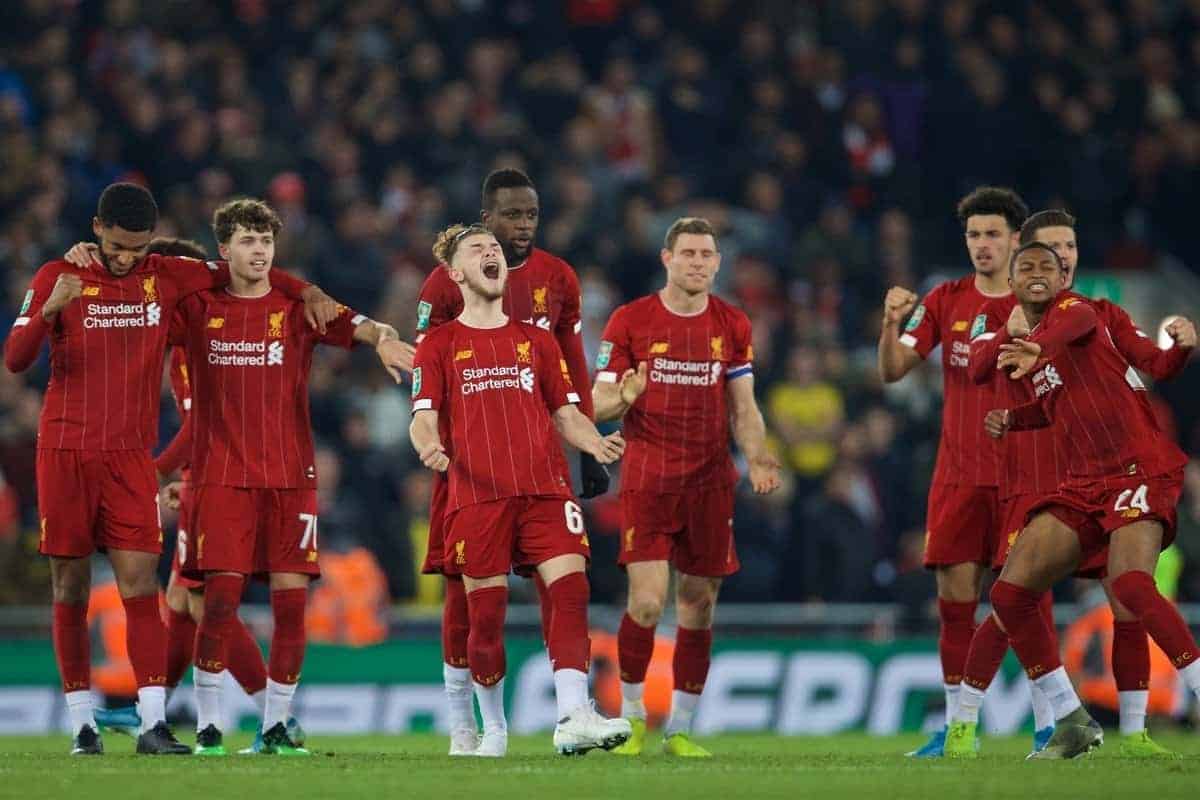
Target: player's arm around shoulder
897, 355
394, 353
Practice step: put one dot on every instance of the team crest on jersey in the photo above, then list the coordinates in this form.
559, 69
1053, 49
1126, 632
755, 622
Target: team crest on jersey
629, 539
463, 355
604, 355
90, 291
150, 289
659, 348
275, 324
424, 310
978, 326
416, 390
916, 318
460, 552
28, 301
523, 355
539, 300
717, 345
216, 322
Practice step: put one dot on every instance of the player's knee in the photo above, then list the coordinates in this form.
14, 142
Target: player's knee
137, 585
696, 610
71, 592
645, 608
218, 608
1133, 588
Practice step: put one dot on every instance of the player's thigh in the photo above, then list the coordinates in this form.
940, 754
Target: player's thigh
129, 514
650, 523
177, 594
480, 539
68, 495
1047, 550
291, 544
705, 547
226, 526
551, 532
1135, 547
962, 524
438, 500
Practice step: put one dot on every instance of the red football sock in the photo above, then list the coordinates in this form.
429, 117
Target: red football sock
1046, 607
288, 640
1137, 592
72, 646
1130, 656
635, 647
485, 644
546, 607
954, 641
456, 623
222, 595
568, 642
1028, 633
146, 639
181, 644
693, 652
244, 658
988, 646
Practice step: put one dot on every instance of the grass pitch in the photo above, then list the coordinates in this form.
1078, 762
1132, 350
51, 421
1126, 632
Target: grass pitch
744, 767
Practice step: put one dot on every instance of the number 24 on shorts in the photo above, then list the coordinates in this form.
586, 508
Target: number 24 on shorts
1133, 499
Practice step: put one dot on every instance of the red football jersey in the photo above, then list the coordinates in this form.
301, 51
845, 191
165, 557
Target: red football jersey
1092, 399
677, 432
1031, 464
495, 390
967, 456
541, 291
249, 360
107, 348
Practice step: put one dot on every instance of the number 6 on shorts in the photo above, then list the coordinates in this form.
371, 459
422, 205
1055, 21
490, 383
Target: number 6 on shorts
310, 531
574, 516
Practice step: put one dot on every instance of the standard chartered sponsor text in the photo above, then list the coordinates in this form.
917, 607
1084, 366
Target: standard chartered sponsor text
239, 353
685, 373
481, 379
115, 315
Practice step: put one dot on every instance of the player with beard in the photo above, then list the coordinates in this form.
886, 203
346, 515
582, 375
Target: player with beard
1033, 470
1123, 480
107, 324
541, 290
489, 393
963, 516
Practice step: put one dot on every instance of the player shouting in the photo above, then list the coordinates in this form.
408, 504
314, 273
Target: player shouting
488, 394
676, 367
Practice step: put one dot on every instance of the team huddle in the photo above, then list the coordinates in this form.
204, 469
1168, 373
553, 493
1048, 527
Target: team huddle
1051, 464
499, 377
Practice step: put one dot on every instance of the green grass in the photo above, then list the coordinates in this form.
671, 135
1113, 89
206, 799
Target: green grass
745, 767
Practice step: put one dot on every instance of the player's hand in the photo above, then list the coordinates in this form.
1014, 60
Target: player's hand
764, 474
1183, 331
397, 356
83, 255
434, 457
633, 384
996, 422
68, 287
171, 495
1021, 357
897, 305
1018, 325
609, 449
319, 308
593, 475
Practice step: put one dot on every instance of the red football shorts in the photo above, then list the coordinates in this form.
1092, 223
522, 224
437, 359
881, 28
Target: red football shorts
962, 525
1095, 509
1016, 513
693, 531
437, 530
183, 544
517, 533
253, 531
97, 500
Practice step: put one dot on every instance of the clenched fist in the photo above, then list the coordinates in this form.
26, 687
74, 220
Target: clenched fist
434, 457
1018, 325
1183, 331
996, 422
897, 305
68, 287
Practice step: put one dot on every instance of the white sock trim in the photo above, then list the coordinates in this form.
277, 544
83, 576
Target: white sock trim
683, 712
1133, 710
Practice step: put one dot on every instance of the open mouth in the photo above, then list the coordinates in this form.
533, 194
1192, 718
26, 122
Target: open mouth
491, 269
1037, 287
259, 263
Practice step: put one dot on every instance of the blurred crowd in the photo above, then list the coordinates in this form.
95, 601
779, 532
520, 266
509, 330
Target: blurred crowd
827, 141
